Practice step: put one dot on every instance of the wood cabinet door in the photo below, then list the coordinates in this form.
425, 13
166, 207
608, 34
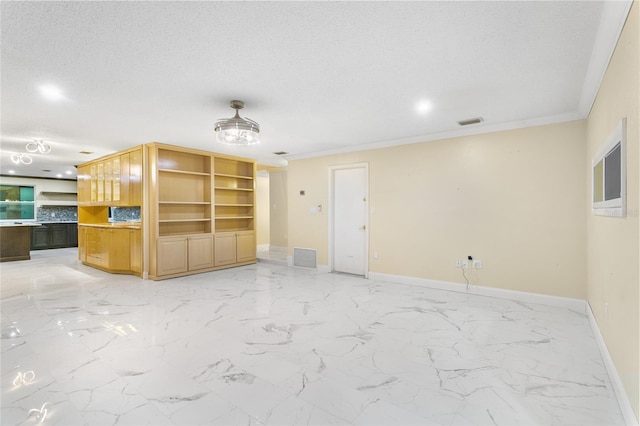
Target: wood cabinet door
81, 244
200, 252
172, 255
40, 237
96, 247
72, 235
135, 178
135, 250
84, 184
57, 235
119, 249
246, 246
225, 249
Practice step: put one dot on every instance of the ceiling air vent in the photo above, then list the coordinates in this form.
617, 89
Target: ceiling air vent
281, 153
85, 152
471, 121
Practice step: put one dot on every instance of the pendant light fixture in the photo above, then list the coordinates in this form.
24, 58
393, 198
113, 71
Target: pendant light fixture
21, 159
236, 130
38, 146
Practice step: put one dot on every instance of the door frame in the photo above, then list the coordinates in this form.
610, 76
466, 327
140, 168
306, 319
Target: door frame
331, 215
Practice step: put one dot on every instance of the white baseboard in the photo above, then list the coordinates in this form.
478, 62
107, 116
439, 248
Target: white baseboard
616, 382
521, 296
279, 249
263, 247
324, 269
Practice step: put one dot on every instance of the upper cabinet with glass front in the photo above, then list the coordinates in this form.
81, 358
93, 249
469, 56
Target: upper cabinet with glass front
113, 181
17, 202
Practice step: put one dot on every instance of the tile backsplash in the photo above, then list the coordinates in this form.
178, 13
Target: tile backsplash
70, 214
125, 214
57, 214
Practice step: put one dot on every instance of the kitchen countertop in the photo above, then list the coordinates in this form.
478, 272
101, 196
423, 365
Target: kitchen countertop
44, 222
17, 224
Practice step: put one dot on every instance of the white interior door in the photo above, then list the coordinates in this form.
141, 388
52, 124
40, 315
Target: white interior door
350, 220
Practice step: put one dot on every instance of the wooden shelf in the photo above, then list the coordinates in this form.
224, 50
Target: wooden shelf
184, 172
233, 217
182, 220
185, 202
233, 189
233, 230
233, 176
233, 205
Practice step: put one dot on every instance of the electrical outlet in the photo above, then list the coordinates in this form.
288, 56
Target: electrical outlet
458, 263
465, 264
477, 264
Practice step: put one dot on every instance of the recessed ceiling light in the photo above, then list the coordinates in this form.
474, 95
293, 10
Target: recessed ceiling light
85, 152
69, 172
469, 121
59, 175
11, 172
51, 92
423, 107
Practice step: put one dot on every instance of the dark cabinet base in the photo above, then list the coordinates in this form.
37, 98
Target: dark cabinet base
14, 243
54, 235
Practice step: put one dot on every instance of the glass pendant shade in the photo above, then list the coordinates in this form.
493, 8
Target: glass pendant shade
237, 130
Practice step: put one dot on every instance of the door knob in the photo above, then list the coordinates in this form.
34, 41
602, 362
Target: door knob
363, 227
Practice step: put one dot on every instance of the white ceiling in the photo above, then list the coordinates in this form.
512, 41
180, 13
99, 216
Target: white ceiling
319, 77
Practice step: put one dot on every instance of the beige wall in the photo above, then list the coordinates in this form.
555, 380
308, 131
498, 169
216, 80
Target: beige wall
612, 243
263, 225
278, 209
514, 199
41, 184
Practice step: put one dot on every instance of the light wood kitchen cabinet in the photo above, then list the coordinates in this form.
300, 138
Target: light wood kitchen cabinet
197, 210
180, 254
111, 249
246, 246
200, 251
225, 250
115, 180
235, 247
172, 256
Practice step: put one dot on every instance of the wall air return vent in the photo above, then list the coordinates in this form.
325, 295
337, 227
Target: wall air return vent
471, 121
305, 258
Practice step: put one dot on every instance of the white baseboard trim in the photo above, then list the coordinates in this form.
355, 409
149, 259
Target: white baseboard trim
616, 382
520, 296
320, 268
279, 249
263, 247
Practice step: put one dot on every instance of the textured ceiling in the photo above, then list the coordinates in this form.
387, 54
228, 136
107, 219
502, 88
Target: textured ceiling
319, 77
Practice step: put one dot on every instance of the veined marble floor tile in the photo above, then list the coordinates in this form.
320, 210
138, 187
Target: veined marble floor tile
271, 345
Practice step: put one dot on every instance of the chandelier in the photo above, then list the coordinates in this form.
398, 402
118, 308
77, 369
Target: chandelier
38, 146
237, 130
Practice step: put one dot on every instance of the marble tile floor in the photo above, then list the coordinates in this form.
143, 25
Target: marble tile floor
271, 345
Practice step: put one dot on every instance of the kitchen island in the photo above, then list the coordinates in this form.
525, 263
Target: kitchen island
15, 240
